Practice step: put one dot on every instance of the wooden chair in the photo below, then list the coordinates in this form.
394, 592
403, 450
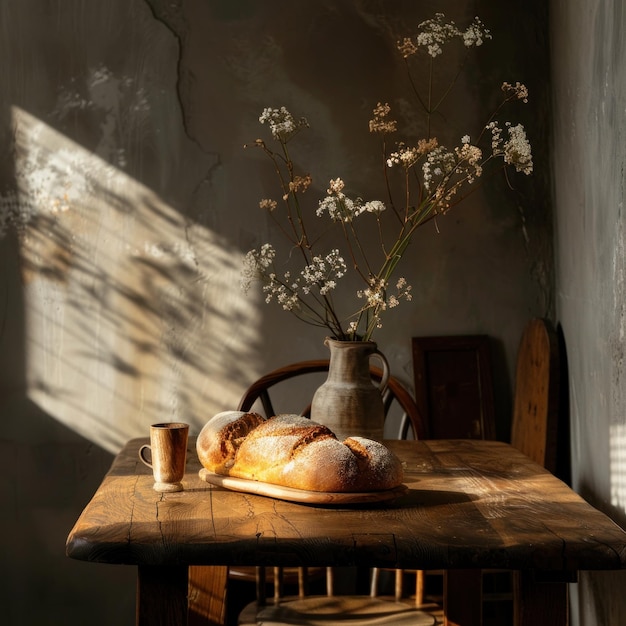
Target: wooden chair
407, 420
534, 432
454, 394
335, 610
398, 403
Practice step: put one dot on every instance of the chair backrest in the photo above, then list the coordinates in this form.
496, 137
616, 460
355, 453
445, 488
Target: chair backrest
536, 403
391, 600
395, 392
454, 386
259, 392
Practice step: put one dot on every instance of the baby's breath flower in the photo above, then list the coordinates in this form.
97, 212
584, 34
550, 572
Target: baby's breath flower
374, 206
335, 186
255, 264
380, 123
435, 179
439, 163
434, 33
518, 91
406, 47
300, 183
328, 205
375, 293
469, 158
496, 137
517, 150
322, 272
340, 208
475, 34
282, 124
408, 156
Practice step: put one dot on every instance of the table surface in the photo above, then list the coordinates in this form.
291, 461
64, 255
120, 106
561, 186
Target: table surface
470, 504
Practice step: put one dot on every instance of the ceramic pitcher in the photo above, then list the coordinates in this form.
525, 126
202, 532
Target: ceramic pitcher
349, 402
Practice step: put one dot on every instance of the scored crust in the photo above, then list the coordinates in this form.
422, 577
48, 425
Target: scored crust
293, 451
218, 441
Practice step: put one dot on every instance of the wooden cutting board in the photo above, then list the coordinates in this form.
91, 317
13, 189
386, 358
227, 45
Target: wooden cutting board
300, 495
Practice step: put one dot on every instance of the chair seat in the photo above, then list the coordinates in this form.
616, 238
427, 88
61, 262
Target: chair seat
335, 611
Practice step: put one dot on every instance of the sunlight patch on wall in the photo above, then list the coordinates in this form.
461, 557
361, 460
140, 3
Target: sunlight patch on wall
618, 465
133, 313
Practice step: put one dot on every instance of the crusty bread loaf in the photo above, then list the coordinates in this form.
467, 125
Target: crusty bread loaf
221, 436
293, 451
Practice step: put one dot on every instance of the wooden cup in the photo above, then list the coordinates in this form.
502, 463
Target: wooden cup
167, 455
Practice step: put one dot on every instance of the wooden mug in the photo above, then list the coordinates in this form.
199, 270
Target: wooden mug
168, 455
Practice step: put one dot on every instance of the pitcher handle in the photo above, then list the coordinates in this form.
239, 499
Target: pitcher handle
382, 385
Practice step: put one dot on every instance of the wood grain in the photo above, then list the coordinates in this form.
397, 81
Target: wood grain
470, 504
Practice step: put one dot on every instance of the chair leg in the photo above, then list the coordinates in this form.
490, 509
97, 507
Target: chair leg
398, 585
419, 587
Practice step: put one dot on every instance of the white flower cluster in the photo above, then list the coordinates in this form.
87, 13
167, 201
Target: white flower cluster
439, 163
282, 124
320, 275
378, 300
406, 156
516, 150
433, 34
431, 180
323, 272
470, 160
340, 208
475, 34
255, 264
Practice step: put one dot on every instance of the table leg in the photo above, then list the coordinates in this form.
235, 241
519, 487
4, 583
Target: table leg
539, 603
162, 595
207, 595
462, 597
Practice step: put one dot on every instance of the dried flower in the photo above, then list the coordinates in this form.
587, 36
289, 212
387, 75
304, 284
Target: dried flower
432, 177
518, 91
380, 123
282, 124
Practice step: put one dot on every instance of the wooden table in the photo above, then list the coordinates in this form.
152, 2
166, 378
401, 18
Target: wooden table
470, 505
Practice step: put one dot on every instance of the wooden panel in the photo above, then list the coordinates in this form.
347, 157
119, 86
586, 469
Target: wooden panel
454, 386
536, 407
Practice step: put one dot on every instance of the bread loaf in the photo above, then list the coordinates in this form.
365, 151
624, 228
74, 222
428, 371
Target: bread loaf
293, 451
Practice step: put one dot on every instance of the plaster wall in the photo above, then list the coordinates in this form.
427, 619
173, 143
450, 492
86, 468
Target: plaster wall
588, 51
129, 202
